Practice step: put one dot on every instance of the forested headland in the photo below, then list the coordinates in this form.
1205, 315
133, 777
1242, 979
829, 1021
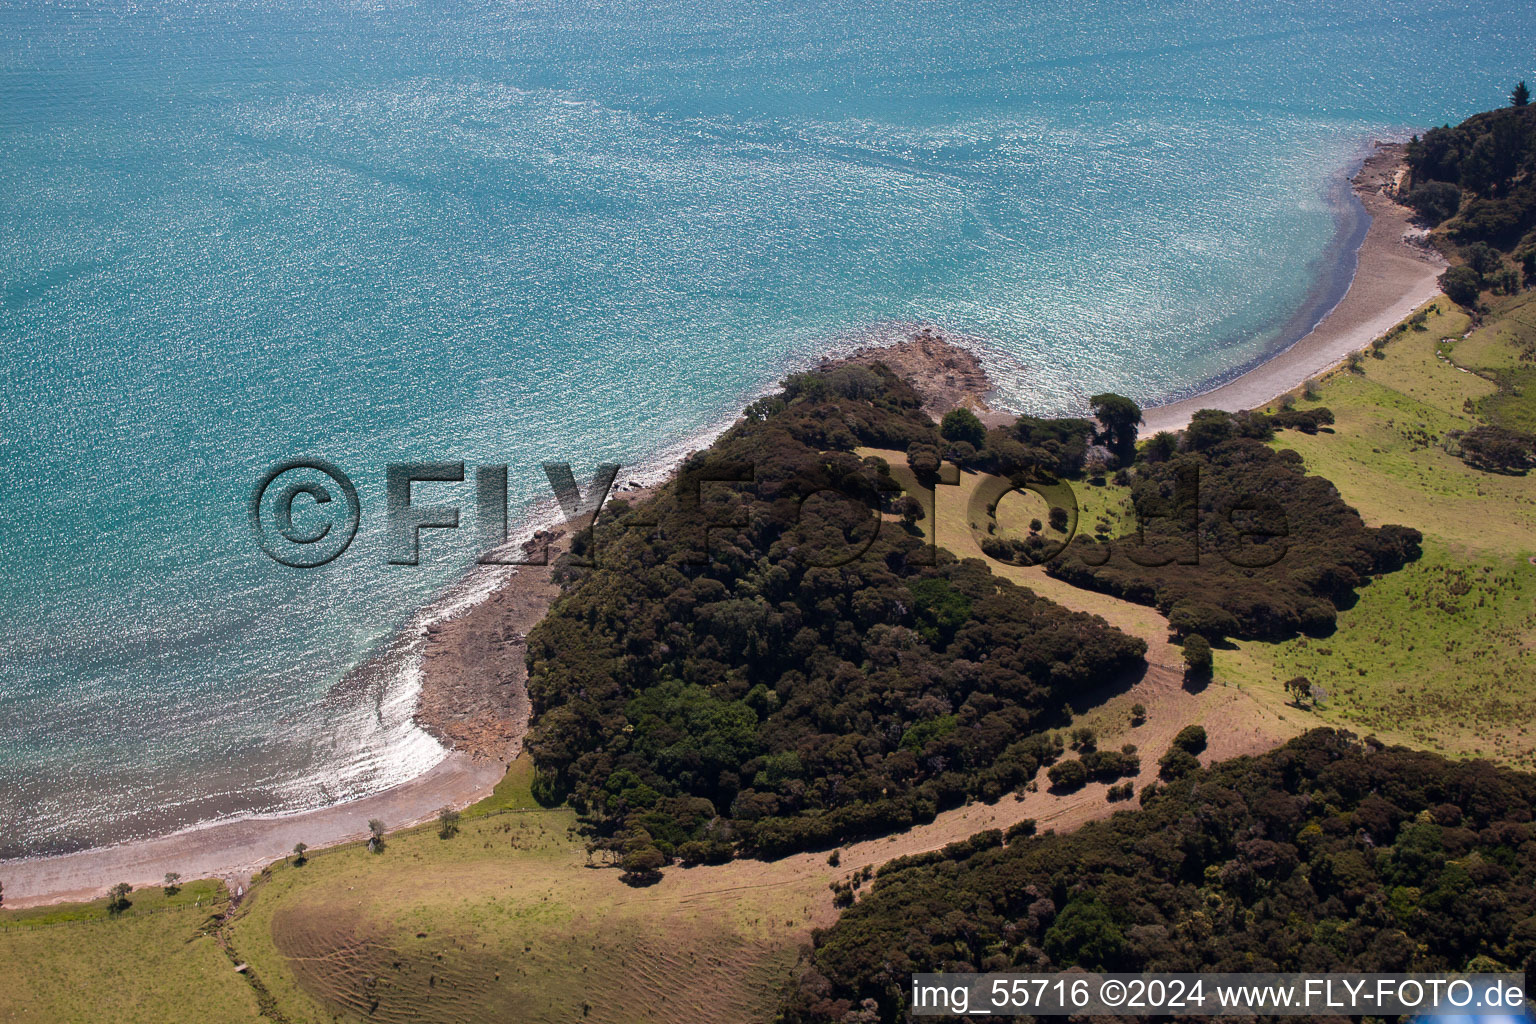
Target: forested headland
753, 665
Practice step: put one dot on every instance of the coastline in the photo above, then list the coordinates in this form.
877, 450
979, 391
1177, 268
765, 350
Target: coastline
1392, 278
235, 850
473, 697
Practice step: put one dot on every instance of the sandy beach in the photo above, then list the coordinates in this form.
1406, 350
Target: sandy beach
473, 700
236, 850
1393, 277
474, 695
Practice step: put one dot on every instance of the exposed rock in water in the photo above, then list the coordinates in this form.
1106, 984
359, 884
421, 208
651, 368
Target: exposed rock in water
947, 375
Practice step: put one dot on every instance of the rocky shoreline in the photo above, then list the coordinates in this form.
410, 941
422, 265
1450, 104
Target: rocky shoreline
946, 374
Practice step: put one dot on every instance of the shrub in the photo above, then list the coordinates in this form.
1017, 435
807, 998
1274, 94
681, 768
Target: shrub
1308, 421
1482, 258
1108, 765
1197, 655
1193, 617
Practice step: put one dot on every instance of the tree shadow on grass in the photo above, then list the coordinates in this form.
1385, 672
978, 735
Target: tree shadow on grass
1085, 700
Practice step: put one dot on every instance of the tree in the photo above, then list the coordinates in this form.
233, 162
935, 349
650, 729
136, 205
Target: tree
1520, 96
1197, 655
1498, 450
1067, 776
1177, 763
1462, 285
117, 898
1483, 258
375, 835
447, 823
172, 883
298, 854
1191, 738
1085, 933
1299, 688
2, 895
1138, 713
923, 459
1207, 428
1161, 446
910, 510
962, 425
1120, 417
1435, 201
642, 866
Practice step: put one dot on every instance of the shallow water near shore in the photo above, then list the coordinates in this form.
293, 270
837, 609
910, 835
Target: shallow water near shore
239, 233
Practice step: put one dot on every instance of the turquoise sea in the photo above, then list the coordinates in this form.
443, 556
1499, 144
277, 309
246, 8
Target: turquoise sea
238, 232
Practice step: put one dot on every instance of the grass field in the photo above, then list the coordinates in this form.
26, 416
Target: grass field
156, 963
1440, 655
510, 920
1504, 351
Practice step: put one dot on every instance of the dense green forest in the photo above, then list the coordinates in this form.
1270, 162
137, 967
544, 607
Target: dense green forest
1235, 538
757, 663
1326, 854
1476, 181
796, 677
1476, 184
